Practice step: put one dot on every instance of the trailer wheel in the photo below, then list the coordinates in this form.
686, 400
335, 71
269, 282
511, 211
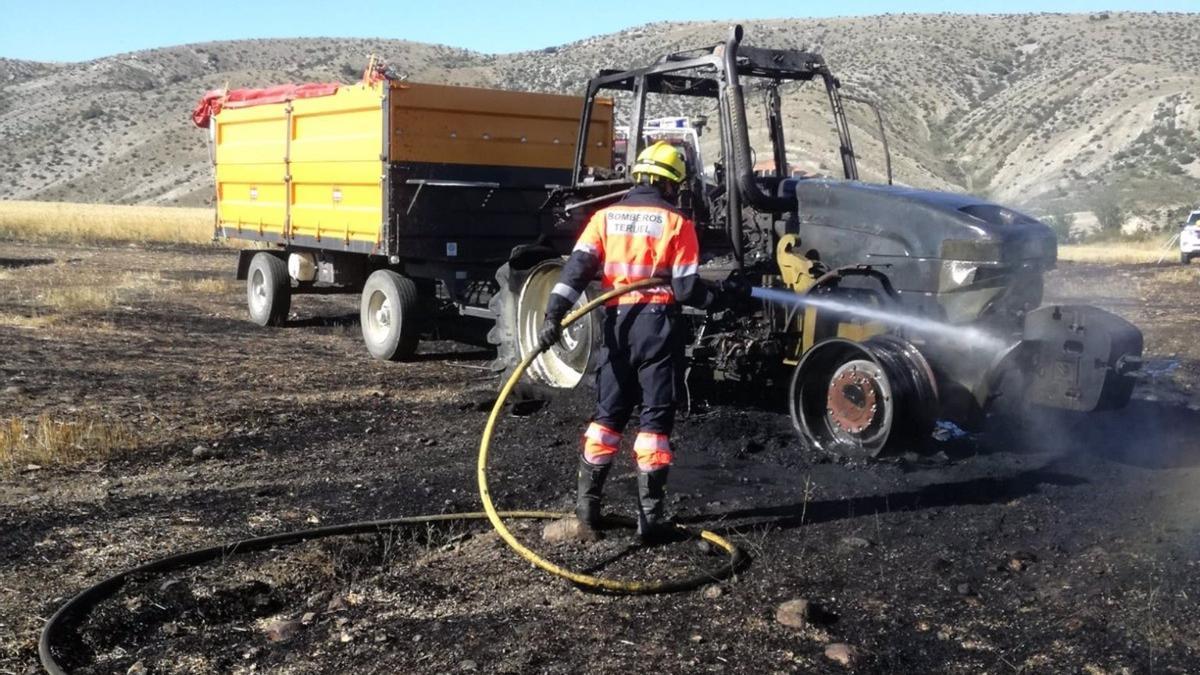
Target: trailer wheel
268, 290
388, 314
1185, 258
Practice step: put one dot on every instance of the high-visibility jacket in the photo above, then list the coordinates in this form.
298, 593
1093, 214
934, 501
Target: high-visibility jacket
641, 237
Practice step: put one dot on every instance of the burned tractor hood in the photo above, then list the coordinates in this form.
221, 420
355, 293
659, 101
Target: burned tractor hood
952, 257
849, 222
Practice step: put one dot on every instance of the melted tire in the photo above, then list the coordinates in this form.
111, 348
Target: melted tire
502, 334
899, 388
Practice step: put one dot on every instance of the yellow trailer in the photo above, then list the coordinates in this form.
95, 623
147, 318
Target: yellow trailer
425, 189
315, 171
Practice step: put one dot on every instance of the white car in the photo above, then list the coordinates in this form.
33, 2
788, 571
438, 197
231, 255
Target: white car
1189, 238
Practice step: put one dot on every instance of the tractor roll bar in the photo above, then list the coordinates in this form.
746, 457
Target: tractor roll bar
688, 73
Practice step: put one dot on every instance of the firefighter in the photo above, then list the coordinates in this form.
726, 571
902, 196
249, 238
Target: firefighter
642, 236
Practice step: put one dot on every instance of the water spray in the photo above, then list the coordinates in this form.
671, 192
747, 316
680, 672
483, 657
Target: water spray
968, 336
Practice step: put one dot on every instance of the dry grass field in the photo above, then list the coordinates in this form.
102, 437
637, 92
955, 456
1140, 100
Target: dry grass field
71, 223
27, 445
64, 302
71, 299
1119, 252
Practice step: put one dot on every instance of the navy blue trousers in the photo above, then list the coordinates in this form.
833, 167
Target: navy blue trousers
641, 363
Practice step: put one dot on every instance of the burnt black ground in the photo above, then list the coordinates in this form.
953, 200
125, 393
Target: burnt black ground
1072, 549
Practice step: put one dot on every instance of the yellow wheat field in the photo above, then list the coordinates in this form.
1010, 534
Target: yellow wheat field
1119, 252
65, 222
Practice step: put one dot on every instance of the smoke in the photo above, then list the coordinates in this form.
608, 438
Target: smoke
967, 336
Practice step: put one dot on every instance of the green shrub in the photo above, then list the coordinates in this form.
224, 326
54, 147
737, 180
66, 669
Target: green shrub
1109, 213
1061, 222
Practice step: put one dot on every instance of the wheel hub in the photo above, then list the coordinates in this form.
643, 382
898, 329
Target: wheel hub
378, 317
852, 399
384, 316
570, 337
258, 288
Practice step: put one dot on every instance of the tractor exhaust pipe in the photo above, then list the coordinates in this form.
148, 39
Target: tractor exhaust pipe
743, 170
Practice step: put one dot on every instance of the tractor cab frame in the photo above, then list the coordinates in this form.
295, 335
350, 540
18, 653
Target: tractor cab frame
716, 72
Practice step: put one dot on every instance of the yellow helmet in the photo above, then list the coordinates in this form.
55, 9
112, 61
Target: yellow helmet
661, 159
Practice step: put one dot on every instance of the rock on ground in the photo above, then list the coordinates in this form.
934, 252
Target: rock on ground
795, 613
281, 630
803, 613
569, 530
843, 654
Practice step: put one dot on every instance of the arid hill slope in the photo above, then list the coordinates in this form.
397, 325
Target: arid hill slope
1049, 112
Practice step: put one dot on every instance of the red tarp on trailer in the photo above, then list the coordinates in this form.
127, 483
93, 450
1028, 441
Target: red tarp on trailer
215, 100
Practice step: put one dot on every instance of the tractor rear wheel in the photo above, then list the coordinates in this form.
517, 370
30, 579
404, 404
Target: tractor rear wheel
520, 309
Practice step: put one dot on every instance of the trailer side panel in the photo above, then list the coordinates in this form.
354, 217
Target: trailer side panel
428, 175
337, 172
251, 171
465, 126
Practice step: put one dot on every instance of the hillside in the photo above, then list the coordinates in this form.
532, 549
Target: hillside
1048, 112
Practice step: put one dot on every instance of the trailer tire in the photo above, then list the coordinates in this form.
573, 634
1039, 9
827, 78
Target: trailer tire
268, 290
1185, 258
388, 315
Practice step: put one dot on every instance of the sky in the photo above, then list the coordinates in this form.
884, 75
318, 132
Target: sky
79, 30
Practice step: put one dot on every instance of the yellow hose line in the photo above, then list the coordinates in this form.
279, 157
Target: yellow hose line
614, 585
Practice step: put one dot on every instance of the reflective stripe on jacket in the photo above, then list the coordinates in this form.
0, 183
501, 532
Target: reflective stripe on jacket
641, 237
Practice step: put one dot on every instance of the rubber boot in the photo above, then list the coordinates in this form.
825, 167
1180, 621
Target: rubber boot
652, 526
590, 492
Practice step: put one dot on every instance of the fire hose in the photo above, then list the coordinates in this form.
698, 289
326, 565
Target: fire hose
75, 609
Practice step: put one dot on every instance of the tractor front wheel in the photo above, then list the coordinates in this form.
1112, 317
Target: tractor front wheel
855, 399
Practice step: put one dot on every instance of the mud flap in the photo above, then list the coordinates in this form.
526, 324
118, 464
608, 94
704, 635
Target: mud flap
1082, 358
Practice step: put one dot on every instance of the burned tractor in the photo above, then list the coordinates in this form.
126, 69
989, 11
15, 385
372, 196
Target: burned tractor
857, 383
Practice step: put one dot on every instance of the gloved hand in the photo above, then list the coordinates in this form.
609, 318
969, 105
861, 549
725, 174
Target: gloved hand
550, 333
731, 293
736, 289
